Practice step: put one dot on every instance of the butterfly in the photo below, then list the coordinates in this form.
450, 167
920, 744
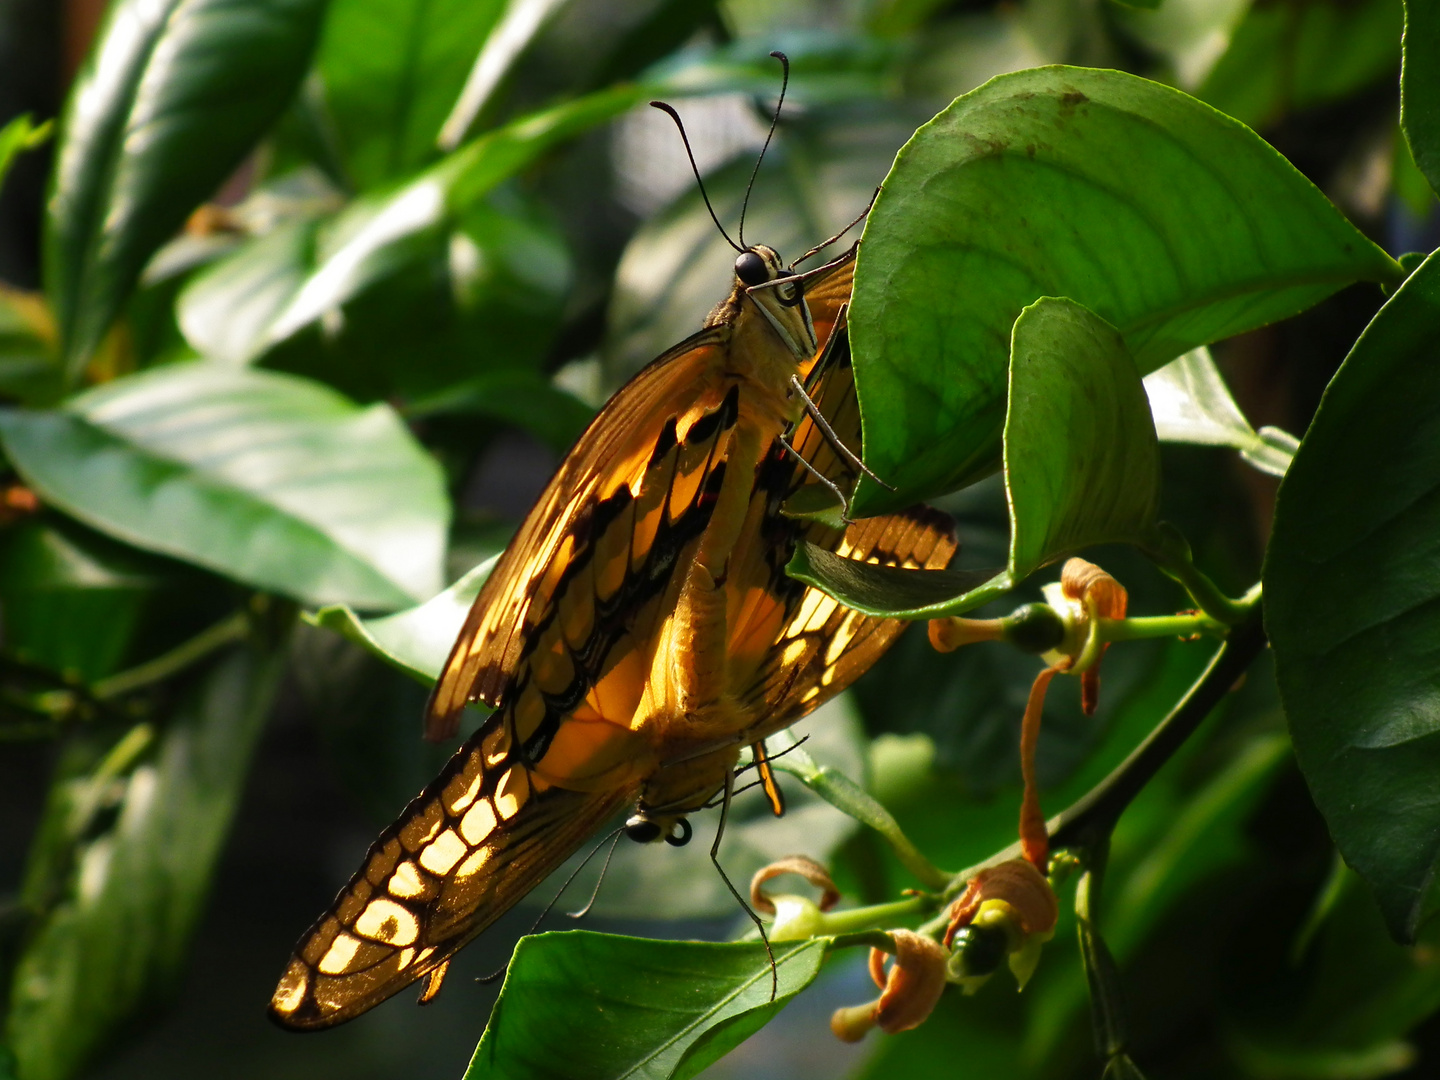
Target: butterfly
637, 634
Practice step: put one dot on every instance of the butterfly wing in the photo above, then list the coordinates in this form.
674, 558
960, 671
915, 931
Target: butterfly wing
586, 581
463, 852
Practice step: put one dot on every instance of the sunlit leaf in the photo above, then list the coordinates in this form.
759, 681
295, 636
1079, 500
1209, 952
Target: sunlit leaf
417, 640
176, 92
1094, 185
272, 480
1350, 591
633, 1008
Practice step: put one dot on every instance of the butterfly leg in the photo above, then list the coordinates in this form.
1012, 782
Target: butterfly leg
839, 447
715, 858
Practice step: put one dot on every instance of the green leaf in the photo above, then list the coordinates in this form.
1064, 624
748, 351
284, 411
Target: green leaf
71, 599
1081, 468
1190, 403
272, 480
630, 1007
418, 640
18, 136
173, 97
511, 34
525, 399
29, 371
1350, 602
1420, 87
122, 864
1094, 185
1081, 463
392, 69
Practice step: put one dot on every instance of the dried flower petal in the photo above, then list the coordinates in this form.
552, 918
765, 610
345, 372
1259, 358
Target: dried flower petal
803, 866
909, 990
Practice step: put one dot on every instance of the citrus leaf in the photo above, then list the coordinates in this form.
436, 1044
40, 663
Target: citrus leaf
417, 640
1420, 87
118, 902
1351, 602
270, 479
173, 97
631, 1007
1169, 220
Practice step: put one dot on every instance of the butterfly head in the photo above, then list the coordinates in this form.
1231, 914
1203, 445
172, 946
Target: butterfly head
779, 293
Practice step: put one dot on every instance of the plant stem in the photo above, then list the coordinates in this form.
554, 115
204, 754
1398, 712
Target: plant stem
176, 660
1172, 554
1091, 818
1107, 1008
1160, 626
877, 915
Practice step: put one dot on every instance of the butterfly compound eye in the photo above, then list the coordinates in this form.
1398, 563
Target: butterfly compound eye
751, 269
642, 830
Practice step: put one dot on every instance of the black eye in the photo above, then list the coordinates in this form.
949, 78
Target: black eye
751, 269
642, 830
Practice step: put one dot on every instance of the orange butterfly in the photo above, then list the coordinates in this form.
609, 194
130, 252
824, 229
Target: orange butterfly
637, 633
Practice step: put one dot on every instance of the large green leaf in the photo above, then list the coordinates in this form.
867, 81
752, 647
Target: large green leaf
1081, 468
584, 1006
392, 70
1172, 222
173, 97
1420, 87
269, 479
1351, 602
121, 867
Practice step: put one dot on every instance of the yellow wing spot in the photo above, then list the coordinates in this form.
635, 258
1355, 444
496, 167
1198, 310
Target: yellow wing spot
647, 525
388, 923
843, 636
529, 712
406, 955
337, 959
794, 651
443, 852
418, 831
555, 670
577, 609
461, 791
497, 744
611, 555
513, 789
472, 865
406, 883
477, 824
291, 991
814, 691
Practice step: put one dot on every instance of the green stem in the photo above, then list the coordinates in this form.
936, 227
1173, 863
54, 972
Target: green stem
1172, 554
223, 633
877, 915
1107, 1008
1160, 626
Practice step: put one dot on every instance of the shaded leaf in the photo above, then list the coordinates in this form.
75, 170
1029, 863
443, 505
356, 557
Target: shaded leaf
1420, 88
631, 1007
392, 70
1081, 468
118, 877
269, 479
1081, 462
525, 399
175, 93
1094, 185
1350, 602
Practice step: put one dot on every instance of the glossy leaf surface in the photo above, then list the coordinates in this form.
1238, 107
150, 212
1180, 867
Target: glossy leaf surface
631, 1007
271, 480
1350, 599
1170, 221
1420, 87
173, 97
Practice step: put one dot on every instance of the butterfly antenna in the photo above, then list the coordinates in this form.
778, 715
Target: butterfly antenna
614, 838
670, 111
774, 120
715, 858
604, 867
826, 243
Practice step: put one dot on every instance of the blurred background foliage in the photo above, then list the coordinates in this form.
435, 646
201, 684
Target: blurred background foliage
454, 225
